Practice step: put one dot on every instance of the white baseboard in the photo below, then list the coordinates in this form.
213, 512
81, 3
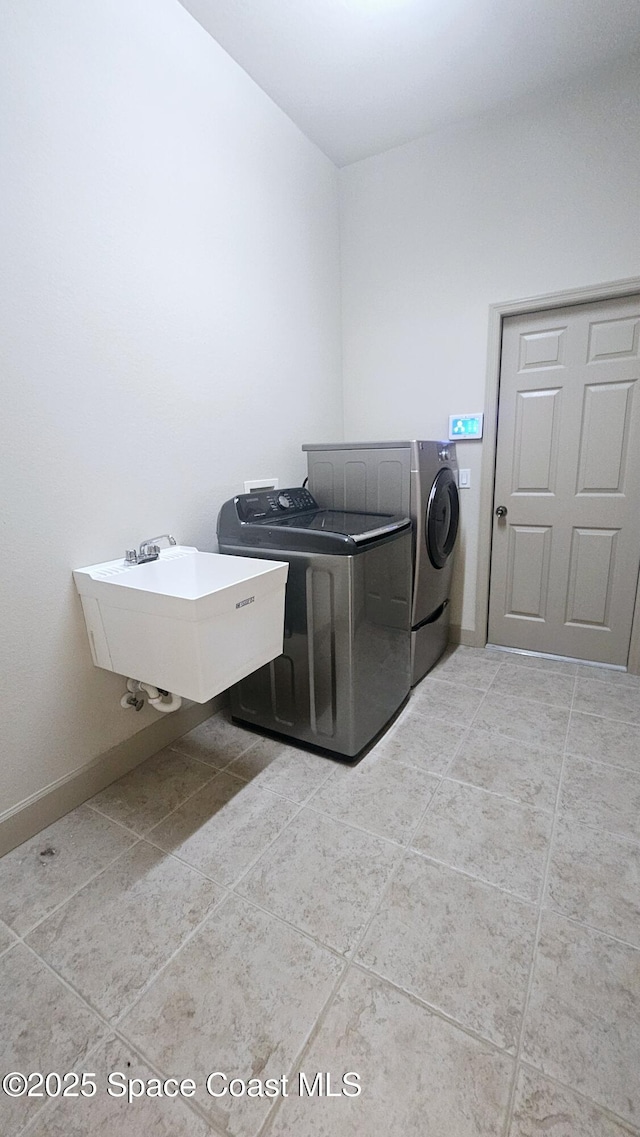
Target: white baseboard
46, 806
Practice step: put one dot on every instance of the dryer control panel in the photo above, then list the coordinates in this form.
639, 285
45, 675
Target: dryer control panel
274, 503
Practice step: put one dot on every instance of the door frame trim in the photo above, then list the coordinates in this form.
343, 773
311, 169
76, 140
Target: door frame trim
497, 313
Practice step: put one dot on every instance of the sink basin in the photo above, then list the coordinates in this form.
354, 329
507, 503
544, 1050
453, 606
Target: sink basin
192, 623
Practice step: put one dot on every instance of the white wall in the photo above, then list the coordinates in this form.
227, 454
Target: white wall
542, 198
170, 305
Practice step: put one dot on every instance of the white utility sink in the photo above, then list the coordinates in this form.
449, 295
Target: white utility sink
191, 623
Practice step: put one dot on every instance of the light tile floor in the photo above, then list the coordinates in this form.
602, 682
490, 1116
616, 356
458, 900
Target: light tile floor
456, 919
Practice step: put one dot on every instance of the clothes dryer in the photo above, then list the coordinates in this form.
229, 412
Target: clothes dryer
418, 477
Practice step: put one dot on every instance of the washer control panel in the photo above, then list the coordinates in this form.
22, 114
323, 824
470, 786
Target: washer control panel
273, 503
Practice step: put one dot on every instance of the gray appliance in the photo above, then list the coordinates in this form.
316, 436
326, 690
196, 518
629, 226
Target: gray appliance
416, 477
346, 664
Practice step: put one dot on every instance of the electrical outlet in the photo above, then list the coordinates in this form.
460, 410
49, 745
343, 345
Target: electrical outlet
261, 484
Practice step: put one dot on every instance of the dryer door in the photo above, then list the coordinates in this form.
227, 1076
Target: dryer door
436, 532
441, 519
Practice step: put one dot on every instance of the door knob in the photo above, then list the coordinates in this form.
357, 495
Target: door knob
501, 511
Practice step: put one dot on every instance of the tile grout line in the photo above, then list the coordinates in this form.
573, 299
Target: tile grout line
308, 803
215, 770
231, 892
531, 901
173, 747
191, 1103
252, 864
497, 793
228, 895
400, 846
119, 1029
334, 951
225, 716
138, 840
202, 761
230, 888
408, 849
115, 1027
86, 1005
511, 661
483, 700
634, 841
192, 758
183, 801
113, 1031
434, 1010
351, 825
610, 718
244, 782
228, 892
549, 750
116, 1019
79, 889
593, 928
370, 832
350, 956
349, 960
541, 910
443, 777
156, 975
120, 824
307, 1041
628, 1131
600, 762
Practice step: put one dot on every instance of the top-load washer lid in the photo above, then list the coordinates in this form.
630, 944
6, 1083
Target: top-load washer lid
292, 520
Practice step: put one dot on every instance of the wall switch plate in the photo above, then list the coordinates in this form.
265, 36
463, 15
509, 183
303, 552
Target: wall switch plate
464, 479
261, 484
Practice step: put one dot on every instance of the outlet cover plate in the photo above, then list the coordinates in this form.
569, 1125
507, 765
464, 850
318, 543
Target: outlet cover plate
261, 484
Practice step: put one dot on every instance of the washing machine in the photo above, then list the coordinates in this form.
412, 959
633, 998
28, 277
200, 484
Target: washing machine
418, 477
346, 665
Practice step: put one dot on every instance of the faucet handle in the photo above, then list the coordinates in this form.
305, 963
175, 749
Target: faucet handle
130, 557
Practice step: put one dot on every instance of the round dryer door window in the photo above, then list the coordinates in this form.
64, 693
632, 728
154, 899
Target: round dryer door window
443, 512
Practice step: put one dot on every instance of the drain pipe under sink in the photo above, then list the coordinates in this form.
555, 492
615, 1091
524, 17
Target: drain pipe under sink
161, 701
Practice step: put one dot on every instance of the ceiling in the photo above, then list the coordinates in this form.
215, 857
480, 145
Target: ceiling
361, 76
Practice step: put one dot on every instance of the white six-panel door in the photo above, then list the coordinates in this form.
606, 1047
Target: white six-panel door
566, 554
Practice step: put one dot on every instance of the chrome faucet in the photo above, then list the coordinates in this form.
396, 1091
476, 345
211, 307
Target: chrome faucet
149, 550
